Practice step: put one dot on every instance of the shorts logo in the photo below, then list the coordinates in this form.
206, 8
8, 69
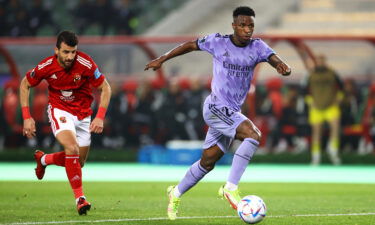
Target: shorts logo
62, 119
76, 78
227, 111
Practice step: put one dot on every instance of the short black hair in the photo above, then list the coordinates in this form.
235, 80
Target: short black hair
68, 37
243, 10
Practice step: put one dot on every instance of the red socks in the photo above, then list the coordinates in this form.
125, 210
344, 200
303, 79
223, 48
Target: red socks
74, 173
57, 159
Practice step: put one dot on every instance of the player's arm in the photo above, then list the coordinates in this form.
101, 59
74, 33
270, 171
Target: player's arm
306, 59
340, 89
281, 67
308, 97
179, 50
28, 122
97, 124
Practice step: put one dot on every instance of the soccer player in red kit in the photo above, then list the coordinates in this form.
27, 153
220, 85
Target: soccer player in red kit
71, 74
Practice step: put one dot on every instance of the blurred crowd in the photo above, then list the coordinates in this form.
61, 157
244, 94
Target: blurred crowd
27, 18
144, 112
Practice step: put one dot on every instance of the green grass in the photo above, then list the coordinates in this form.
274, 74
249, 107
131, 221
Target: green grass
22, 202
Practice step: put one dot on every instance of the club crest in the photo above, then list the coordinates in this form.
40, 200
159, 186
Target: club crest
62, 119
76, 78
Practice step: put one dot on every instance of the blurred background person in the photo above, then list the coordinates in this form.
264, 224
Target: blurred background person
324, 93
351, 116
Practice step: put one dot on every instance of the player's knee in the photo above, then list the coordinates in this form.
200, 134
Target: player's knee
208, 164
71, 149
256, 136
253, 134
248, 130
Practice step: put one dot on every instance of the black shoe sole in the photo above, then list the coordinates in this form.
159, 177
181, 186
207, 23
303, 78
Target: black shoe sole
84, 210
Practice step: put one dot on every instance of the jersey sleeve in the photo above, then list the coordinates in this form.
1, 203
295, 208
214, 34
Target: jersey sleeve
207, 43
264, 51
35, 76
96, 77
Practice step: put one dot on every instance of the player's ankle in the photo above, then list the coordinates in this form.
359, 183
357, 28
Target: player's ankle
230, 186
43, 160
176, 193
77, 199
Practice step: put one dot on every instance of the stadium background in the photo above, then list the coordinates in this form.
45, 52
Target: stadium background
152, 113
154, 129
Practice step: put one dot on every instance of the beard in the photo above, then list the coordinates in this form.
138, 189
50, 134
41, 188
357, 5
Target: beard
66, 63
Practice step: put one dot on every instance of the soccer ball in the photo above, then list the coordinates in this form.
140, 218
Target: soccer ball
251, 209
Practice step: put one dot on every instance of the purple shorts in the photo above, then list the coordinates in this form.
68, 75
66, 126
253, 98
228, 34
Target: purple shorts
222, 122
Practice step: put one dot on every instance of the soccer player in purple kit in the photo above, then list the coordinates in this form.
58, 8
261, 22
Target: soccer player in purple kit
234, 58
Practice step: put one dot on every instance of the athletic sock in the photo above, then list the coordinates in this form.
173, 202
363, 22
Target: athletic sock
176, 192
333, 146
74, 173
195, 173
57, 158
315, 148
230, 186
77, 199
241, 159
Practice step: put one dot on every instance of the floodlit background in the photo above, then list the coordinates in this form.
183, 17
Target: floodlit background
155, 117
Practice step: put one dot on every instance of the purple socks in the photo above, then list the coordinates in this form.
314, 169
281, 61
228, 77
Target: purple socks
241, 158
192, 177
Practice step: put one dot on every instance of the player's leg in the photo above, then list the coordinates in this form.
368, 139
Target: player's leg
316, 120
67, 139
199, 169
250, 136
195, 173
84, 140
83, 154
333, 118
316, 143
56, 158
59, 120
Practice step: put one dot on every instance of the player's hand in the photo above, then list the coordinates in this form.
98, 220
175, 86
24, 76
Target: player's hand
97, 126
154, 64
283, 69
29, 129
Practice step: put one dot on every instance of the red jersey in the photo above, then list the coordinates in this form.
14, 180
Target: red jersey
69, 90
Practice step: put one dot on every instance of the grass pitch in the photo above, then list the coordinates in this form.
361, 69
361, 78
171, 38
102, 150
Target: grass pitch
46, 202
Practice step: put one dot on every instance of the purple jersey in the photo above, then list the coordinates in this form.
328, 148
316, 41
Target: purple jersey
233, 67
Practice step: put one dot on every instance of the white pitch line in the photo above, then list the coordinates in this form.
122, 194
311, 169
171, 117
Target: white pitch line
181, 218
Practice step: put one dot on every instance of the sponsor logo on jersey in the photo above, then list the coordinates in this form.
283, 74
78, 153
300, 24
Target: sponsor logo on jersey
76, 78
67, 95
62, 119
53, 76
